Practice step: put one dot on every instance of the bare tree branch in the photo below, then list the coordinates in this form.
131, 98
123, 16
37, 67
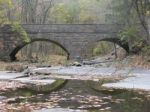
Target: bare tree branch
141, 10
46, 11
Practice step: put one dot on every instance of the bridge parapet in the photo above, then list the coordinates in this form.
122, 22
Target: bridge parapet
72, 28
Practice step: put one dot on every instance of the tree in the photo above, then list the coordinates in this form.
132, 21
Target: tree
5, 5
132, 13
142, 7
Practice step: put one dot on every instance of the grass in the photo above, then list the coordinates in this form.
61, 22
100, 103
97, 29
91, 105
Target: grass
137, 61
46, 59
4, 65
54, 60
140, 61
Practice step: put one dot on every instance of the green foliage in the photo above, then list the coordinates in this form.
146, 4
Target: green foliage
16, 27
5, 5
98, 50
102, 48
146, 50
6, 2
129, 33
81, 11
86, 17
61, 14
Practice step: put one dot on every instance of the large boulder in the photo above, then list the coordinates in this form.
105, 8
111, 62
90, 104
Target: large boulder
121, 53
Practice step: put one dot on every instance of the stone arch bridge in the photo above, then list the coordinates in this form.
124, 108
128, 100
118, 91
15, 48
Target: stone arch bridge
76, 39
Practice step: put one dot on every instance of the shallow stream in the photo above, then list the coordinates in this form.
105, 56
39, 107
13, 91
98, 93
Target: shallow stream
77, 96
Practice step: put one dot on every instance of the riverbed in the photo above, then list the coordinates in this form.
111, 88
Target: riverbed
83, 90
75, 96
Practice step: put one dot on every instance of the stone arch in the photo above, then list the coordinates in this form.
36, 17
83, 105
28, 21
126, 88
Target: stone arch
20, 46
117, 41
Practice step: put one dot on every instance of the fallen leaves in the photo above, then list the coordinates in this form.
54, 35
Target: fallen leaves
10, 85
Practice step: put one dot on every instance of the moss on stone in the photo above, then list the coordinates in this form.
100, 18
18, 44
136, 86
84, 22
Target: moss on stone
97, 86
17, 28
48, 87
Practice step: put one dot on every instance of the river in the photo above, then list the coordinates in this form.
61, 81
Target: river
77, 96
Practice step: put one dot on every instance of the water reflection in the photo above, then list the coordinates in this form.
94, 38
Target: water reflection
77, 95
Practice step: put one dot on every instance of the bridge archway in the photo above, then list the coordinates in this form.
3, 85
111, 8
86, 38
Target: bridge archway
20, 46
108, 45
119, 42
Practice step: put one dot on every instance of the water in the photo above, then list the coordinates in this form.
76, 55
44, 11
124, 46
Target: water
78, 96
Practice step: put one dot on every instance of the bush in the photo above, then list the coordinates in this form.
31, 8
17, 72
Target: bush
146, 50
132, 35
129, 33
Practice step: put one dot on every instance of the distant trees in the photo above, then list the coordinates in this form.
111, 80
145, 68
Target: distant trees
5, 5
56, 11
133, 14
143, 7
79, 11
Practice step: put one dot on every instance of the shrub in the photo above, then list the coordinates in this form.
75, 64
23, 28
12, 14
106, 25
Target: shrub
146, 50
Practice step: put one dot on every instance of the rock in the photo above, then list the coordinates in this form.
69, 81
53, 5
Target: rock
2, 98
108, 58
121, 53
76, 64
29, 71
43, 66
88, 63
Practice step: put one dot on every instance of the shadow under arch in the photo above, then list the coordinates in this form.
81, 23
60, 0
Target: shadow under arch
19, 47
119, 42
